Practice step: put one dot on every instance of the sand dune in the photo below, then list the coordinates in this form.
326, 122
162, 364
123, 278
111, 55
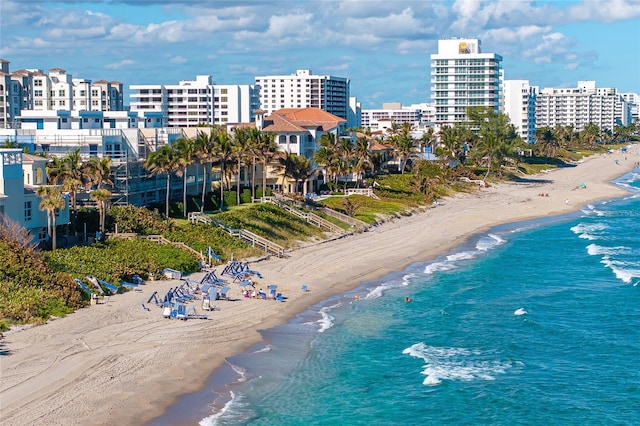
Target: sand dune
117, 363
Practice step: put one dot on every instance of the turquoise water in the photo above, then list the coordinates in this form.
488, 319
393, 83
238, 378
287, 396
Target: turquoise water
530, 324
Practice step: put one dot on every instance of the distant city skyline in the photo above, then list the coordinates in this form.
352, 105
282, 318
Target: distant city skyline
383, 47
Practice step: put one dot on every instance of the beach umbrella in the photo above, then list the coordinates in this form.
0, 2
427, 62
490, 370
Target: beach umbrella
246, 283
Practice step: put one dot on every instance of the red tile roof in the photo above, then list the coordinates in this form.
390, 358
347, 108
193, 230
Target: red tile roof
300, 119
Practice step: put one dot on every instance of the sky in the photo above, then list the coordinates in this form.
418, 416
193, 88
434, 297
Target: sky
382, 46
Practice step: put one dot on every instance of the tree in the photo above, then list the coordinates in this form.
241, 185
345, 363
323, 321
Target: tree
546, 139
68, 172
164, 160
497, 140
101, 197
51, 200
301, 172
241, 148
267, 148
185, 151
98, 171
590, 134
205, 154
224, 153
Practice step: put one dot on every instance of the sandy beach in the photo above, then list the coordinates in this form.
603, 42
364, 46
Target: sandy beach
119, 364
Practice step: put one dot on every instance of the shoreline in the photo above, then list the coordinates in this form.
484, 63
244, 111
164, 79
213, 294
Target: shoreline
119, 364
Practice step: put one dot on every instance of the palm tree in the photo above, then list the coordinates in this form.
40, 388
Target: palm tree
98, 171
52, 200
362, 156
68, 172
101, 197
161, 161
204, 151
301, 172
224, 153
241, 148
287, 164
547, 140
590, 134
328, 157
268, 148
185, 151
254, 148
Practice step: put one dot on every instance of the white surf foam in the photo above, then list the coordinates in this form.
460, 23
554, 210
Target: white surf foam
326, 320
489, 242
456, 364
520, 311
588, 231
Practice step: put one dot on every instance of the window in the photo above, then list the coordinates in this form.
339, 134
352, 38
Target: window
223, 91
37, 83
62, 103
60, 92
37, 92
282, 139
27, 211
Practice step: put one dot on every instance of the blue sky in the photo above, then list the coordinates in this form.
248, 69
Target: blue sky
383, 47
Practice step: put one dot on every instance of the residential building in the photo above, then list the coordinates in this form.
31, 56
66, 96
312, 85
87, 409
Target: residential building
20, 176
34, 90
297, 131
520, 106
305, 90
191, 103
392, 112
355, 113
633, 99
462, 76
235, 103
581, 105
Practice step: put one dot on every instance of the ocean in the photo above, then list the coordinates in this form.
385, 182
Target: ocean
534, 323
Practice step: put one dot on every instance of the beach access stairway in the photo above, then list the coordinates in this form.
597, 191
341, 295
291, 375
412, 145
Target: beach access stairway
356, 224
287, 204
160, 239
249, 237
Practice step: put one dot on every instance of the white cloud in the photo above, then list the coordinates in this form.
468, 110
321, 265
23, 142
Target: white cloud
178, 60
119, 65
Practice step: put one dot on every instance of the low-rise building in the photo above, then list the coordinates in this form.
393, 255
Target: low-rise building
20, 176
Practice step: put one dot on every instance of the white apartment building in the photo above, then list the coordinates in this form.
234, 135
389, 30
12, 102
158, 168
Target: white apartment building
633, 99
391, 112
305, 90
463, 76
520, 106
194, 102
235, 103
355, 113
581, 105
34, 90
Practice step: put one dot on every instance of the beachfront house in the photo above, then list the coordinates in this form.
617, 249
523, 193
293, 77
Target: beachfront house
20, 176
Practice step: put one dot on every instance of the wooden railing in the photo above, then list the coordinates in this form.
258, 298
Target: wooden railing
361, 191
356, 223
312, 218
160, 239
246, 236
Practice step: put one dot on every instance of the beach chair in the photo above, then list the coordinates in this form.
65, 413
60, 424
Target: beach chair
280, 297
130, 286
82, 285
145, 307
304, 287
111, 287
223, 293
